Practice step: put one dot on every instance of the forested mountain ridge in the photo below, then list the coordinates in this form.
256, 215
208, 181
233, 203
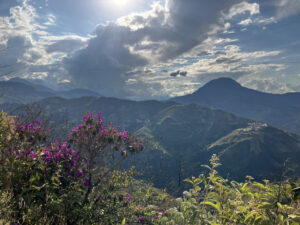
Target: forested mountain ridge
181, 137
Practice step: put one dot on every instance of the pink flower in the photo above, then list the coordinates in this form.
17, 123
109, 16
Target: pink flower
79, 174
141, 218
85, 182
33, 155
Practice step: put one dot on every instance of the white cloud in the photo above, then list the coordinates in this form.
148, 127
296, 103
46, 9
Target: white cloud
51, 20
233, 60
245, 22
257, 21
266, 21
225, 41
265, 84
28, 49
242, 8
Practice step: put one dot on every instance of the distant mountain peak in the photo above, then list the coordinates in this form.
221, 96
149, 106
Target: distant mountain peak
20, 80
223, 82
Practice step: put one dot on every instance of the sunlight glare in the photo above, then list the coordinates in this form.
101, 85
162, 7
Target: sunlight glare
120, 3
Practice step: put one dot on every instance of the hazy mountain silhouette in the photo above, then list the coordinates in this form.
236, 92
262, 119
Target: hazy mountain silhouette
282, 110
18, 90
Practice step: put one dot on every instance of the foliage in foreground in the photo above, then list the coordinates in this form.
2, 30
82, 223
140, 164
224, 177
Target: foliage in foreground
75, 181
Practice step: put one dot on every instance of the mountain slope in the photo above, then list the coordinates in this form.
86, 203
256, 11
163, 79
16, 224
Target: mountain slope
281, 110
182, 137
261, 146
77, 93
17, 90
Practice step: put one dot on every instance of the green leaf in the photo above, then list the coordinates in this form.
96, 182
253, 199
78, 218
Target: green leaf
259, 185
244, 187
279, 205
216, 206
258, 218
265, 205
197, 181
188, 180
123, 221
250, 215
206, 166
281, 217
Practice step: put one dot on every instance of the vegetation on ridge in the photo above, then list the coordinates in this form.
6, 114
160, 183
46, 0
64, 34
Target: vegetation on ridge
76, 181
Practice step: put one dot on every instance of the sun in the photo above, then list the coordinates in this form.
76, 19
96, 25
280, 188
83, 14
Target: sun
118, 7
120, 3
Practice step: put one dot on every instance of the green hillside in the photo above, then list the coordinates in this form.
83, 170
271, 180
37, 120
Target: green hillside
182, 137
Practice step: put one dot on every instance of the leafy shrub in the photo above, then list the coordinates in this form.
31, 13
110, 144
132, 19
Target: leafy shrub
213, 200
65, 182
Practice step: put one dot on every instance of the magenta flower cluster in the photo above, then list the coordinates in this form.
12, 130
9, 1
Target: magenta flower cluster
30, 128
93, 132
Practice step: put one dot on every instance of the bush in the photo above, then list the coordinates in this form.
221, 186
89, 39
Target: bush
213, 200
65, 182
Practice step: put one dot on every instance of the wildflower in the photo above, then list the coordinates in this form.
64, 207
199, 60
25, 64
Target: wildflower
37, 122
97, 198
88, 116
33, 155
85, 182
79, 174
141, 218
47, 159
128, 198
161, 212
10, 151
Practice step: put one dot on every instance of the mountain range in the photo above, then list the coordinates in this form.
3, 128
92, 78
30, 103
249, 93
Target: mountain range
181, 137
281, 110
17, 90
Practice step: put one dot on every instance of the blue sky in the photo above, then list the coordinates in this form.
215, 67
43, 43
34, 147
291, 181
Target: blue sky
144, 49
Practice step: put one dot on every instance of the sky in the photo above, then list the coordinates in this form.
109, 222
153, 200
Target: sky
147, 49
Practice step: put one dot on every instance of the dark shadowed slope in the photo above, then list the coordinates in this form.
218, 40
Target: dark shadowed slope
77, 93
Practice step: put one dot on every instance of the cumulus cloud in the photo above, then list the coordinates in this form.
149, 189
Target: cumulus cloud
28, 50
158, 36
136, 54
64, 44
